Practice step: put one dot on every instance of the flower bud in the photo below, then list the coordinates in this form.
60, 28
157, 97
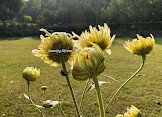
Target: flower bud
89, 62
30, 73
133, 112
44, 88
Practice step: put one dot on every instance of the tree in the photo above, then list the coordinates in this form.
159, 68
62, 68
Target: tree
9, 9
155, 10
32, 8
111, 13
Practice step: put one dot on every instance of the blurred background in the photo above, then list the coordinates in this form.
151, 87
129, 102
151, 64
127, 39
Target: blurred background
125, 17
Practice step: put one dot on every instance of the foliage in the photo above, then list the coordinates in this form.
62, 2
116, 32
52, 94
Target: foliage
61, 15
32, 8
20, 29
85, 11
123, 11
9, 8
32, 29
27, 18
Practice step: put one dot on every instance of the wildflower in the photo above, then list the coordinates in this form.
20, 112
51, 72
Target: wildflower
30, 73
89, 62
101, 37
54, 45
140, 46
133, 112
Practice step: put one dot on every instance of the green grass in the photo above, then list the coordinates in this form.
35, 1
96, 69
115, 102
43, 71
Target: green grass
143, 92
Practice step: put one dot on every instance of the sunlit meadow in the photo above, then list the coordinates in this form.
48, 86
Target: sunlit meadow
143, 91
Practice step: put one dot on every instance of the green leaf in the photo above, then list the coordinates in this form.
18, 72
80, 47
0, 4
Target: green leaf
39, 107
110, 77
92, 86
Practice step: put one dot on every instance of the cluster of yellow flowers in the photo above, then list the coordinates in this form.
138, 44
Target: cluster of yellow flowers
91, 58
85, 55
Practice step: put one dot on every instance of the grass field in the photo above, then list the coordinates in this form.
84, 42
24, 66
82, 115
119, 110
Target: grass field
144, 92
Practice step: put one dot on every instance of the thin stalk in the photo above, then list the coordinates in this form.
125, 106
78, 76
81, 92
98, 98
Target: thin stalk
37, 108
129, 79
43, 95
81, 102
32, 100
69, 84
28, 88
60, 106
99, 96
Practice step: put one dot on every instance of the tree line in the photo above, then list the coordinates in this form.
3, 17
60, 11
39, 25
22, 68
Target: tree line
80, 11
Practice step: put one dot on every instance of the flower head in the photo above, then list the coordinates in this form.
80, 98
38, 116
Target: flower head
140, 46
133, 112
54, 45
101, 37
89, 62
31, 73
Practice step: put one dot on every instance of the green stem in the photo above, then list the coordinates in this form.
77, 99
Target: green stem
129, 79
28, 89
99, 96
69, 84
32, 100
43, 95
81, 102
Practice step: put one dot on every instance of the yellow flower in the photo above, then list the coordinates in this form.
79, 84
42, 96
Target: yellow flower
140, 46
54, 45
101, 37
30, 73
89, 62
133, 112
